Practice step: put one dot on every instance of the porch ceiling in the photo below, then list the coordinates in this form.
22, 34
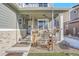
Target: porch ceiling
59, 11
37, 14
56, 12
40, 14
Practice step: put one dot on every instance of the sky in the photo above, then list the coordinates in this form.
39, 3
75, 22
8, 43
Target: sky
64, 5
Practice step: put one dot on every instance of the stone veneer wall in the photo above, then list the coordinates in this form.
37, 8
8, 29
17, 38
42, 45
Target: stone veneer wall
7, 39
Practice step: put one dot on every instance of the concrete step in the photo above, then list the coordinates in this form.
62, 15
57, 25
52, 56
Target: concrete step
17, 49
14, 54
21, 44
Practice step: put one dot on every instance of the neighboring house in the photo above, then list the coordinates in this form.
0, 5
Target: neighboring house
18, 20
73, 23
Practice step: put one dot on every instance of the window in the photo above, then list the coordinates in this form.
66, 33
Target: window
40, 5
56, 23
43, 4
75, 11
26, 3
43, 24
19, 21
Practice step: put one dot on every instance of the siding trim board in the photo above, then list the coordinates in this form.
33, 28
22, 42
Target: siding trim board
74, 21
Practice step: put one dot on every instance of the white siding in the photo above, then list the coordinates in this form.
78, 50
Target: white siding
74, 15
7, 17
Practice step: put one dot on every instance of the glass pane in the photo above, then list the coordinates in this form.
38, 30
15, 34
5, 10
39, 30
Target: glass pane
45, 4
45, 25
26, 3
40, 4
40, 24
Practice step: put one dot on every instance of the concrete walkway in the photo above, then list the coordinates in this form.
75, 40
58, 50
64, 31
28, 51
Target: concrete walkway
73, 41
55, 49
19, 49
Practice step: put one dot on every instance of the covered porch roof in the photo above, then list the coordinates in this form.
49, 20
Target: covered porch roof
38, 14
42, 13
46, 12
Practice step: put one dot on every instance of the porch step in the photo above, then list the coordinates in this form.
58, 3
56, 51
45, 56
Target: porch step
21, 44
14, 54
17, 49
26, 39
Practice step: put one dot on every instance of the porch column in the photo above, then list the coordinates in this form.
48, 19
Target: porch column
61, 27
48, 24
52, 22
32, 23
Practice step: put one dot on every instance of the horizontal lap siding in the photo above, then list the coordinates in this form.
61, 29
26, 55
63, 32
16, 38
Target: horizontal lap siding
7, 17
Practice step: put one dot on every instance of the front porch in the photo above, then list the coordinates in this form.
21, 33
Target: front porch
41, 23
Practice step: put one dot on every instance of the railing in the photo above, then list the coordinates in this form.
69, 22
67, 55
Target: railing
21, 5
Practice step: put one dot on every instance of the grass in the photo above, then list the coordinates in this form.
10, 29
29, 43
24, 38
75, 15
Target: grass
53, 54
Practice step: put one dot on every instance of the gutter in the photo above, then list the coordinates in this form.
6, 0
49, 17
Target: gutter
12, 6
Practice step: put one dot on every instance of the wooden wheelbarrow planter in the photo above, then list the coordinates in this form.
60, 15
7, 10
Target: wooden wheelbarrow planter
34, 39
